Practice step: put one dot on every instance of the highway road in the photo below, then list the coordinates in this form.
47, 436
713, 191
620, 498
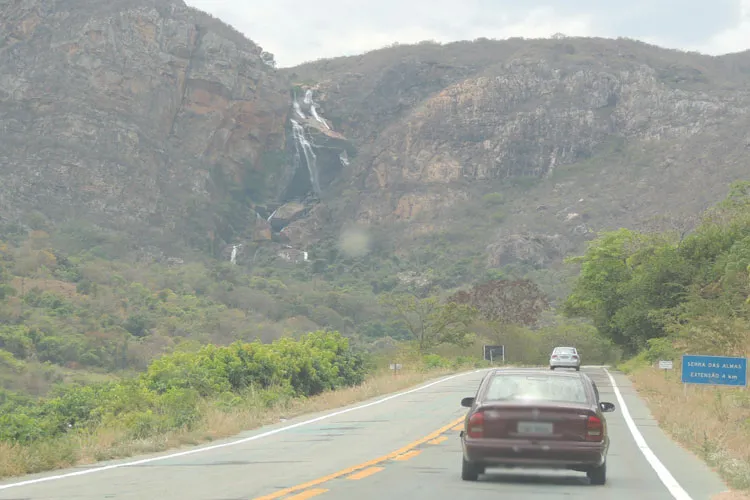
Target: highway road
403, 446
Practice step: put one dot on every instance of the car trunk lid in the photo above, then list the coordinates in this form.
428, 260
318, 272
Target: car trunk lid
536, 420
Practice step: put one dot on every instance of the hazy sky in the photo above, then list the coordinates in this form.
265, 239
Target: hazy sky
298, 31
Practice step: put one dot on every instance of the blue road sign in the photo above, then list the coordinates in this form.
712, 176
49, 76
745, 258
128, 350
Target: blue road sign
714, 370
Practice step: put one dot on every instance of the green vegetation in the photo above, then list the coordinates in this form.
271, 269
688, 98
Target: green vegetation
166, 396
96, 348
663, 293
660, 295
431, 323
103, 356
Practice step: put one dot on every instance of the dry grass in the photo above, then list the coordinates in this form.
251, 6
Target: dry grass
107, 443
61, 288
732, 495
712, 422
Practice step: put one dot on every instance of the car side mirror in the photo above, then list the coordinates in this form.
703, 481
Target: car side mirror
467, 402
607, 407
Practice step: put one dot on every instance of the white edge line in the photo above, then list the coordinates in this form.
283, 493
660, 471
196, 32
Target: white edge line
677, 492
235, 442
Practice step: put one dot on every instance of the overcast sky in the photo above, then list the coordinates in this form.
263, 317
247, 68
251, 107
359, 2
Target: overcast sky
299, 31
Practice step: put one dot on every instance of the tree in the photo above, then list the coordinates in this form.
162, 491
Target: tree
6, 260
519, 302
268, 59
628, 285
679, 225
430, 322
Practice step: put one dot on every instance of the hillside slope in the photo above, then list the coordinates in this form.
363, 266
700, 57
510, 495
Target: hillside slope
163, 124
577, 135
142, 138
133, 115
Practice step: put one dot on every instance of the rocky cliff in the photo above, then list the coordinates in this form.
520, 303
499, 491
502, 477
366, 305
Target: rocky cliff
136, 115
157, 120
575, 135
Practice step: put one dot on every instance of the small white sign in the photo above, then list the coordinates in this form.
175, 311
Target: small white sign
395, 366
665, 364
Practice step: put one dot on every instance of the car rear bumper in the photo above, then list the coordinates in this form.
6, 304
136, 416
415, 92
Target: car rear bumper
543, 454
565, 363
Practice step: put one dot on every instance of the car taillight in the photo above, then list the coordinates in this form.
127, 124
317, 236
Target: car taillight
594, 429
574, 356
476, 425
554, 356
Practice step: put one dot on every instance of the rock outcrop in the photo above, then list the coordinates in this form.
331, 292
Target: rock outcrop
605, 132
155, 119
131, 114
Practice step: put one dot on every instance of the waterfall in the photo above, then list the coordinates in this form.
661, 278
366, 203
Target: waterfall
233, 257
297, 108
300, 141
315, 115
308, 100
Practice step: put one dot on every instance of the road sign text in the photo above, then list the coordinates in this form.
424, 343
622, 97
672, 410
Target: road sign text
714, 370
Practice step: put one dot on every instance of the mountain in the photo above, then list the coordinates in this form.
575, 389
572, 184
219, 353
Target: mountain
136, 116
576, 135
165, 127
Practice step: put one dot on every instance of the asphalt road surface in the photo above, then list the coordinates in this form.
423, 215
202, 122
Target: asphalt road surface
402, 446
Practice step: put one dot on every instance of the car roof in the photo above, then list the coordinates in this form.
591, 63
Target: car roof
534, 371
564, 347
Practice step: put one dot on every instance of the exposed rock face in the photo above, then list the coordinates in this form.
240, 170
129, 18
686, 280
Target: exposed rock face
303, 232
124, 112
644, 130
148, 114
534, 250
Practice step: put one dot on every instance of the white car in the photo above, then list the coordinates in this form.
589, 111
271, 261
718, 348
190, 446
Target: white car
565, 357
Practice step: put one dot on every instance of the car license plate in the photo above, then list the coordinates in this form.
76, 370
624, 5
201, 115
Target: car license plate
534, 428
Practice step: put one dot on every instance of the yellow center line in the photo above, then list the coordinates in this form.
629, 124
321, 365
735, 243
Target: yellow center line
365, 473
364, 465
458, 427
438, 440
307, 494
408, 455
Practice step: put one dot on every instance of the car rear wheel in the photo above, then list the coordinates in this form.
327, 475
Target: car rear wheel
551, 367
470, 471
578, 368
598, 475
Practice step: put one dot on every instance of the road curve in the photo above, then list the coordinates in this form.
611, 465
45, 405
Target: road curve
402, 446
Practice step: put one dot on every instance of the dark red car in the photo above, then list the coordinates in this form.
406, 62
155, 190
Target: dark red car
536, 418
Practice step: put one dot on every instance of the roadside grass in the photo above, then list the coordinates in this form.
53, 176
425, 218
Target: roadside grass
712, 422
732, 495
216, 422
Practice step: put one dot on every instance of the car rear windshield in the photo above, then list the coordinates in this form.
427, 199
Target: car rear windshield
552, 388
564, 350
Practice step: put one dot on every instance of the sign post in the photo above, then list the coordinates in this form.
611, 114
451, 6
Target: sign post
491, 352
665, 364
395, 367
714, 370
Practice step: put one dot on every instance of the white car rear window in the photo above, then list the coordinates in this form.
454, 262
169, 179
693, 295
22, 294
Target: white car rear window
564, 350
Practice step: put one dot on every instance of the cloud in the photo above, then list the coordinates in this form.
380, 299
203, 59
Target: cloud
302, 31
733, 39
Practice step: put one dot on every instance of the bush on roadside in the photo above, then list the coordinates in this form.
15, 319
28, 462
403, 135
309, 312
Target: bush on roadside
173, 391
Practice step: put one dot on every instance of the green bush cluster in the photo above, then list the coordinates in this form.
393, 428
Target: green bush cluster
436, 361
172, 393
689, 289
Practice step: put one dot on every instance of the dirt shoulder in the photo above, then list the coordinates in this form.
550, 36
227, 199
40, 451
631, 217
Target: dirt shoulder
714, 423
